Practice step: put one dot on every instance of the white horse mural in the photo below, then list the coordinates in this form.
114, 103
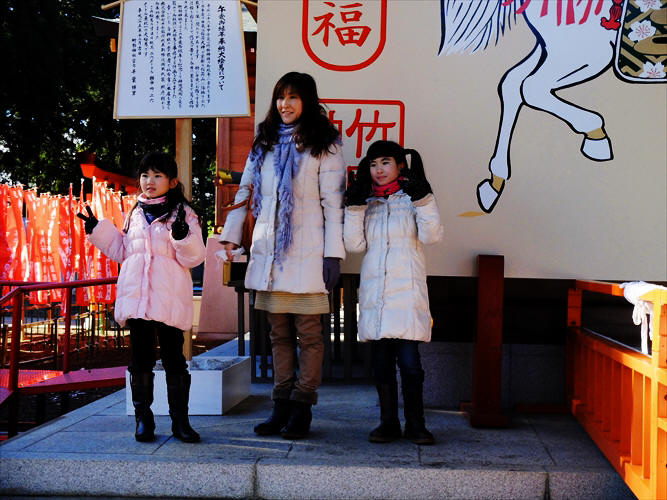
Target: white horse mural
575, 42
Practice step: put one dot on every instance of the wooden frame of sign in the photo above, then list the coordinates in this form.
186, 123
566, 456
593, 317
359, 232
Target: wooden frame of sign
182, 59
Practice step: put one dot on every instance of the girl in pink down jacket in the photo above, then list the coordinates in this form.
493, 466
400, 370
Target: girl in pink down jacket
160, 241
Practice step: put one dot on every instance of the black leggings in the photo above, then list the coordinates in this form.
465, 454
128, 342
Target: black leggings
142, 344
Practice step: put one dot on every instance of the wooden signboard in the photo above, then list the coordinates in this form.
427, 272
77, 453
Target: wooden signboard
181, 59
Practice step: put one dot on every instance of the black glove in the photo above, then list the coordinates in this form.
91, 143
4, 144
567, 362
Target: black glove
330, 272
416, 188
89, 222
180, 228
360, 188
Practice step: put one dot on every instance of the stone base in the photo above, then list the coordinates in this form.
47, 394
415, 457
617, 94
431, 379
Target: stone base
218, 384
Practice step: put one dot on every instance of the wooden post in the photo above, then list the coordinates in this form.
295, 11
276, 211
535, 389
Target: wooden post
184, 153
184, 162
484, 410
223, 144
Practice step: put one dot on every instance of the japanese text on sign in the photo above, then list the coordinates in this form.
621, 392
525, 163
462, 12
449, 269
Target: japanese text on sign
366, 121
178, 63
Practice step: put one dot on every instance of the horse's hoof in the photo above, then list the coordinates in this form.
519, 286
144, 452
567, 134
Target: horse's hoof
487, 197
597, 149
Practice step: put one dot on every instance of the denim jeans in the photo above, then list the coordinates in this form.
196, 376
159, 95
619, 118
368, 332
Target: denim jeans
143, 334
386, 353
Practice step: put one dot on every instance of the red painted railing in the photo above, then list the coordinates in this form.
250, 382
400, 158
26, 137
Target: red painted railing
93, 378
619, 395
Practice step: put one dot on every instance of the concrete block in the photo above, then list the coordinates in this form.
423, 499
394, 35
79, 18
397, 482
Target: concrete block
447, 373
223, 383
531, 374
113, 478
588, 485
537, 373
307, 480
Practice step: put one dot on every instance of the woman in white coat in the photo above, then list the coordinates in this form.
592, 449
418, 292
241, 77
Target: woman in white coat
390, 213
296, 174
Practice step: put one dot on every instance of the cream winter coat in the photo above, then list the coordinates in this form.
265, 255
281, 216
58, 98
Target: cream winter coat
154, 282
393, 298
317, 224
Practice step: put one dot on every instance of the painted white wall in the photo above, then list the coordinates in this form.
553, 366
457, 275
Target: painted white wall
561, 215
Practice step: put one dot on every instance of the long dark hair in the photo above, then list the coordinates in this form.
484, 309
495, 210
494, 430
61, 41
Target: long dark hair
165, 164
314, 130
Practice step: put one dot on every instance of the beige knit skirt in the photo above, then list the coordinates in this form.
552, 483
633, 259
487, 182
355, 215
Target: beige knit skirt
295, 303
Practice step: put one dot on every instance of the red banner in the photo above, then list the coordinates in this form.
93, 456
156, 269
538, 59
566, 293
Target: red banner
16, 236
51, 245
5, 250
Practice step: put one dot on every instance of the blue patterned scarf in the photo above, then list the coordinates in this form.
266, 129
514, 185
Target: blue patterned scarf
285, 164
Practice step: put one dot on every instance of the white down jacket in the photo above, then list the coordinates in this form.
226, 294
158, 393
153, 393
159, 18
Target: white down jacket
393, 298
154, 282
317, 224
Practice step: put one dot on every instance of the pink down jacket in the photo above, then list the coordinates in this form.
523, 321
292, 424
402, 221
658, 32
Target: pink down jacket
154, 282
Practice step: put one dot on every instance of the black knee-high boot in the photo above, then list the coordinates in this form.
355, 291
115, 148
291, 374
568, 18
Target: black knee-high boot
178, 395
390, 427
413, 409
141, 385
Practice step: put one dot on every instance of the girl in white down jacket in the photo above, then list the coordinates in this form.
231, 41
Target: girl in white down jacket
297, 174
160, 241
390, 212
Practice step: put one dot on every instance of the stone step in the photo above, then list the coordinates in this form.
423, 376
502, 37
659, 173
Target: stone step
91, 452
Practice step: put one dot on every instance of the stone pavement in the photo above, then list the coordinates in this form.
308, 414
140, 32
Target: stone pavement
91, 452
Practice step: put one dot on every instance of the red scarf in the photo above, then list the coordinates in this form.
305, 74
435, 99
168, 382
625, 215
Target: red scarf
386, 190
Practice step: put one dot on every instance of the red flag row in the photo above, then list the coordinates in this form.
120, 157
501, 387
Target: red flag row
41, 239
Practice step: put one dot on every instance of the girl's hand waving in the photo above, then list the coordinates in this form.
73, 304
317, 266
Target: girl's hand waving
89, 222
180, 228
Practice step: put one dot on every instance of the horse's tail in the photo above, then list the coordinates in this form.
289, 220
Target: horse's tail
472, 24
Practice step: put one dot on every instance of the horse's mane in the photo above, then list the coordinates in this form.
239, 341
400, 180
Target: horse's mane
469, 25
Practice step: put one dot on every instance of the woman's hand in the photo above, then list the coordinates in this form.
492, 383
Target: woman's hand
89, 222
330, 272
180, 228
229, 246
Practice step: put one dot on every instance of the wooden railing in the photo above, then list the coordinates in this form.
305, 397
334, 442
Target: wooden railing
619, 395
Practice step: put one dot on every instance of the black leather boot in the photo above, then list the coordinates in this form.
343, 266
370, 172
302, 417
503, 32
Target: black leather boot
141, 385
390, 427
298, 425
278, 419
413, 409
178, 395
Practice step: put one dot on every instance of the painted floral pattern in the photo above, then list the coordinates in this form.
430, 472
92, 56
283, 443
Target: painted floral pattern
640, 50
641, 30
651, 70
645, 5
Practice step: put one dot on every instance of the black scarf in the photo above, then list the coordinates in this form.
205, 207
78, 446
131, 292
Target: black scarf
153, 208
